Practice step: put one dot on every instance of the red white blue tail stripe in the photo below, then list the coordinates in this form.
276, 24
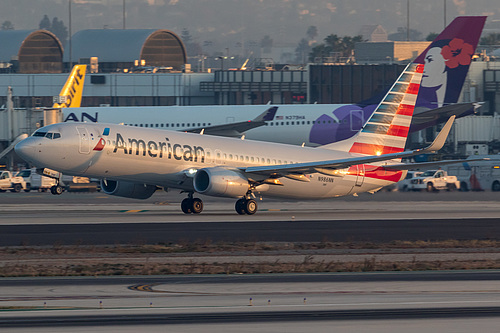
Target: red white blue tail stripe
387, 129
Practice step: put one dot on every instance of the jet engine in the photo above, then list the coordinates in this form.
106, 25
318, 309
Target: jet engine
220, 182
127, 189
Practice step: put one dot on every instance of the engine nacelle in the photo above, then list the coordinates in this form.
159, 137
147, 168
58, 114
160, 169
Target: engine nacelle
220, 182
127, 189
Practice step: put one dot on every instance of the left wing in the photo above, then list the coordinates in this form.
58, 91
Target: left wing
276, 171
237, 128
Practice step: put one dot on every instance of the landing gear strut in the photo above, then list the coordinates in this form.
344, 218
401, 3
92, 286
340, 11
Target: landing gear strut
246, 206
191, 205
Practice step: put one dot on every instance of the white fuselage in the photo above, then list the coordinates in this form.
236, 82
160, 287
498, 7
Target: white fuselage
309, 124
164, 158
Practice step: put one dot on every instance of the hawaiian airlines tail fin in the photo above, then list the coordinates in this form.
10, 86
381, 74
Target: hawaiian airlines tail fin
71, 94
447, 60
387, 129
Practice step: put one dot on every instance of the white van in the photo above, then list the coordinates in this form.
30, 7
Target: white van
477, 175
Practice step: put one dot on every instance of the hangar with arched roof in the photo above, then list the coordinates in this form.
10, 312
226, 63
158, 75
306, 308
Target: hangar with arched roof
30, 51
117, 49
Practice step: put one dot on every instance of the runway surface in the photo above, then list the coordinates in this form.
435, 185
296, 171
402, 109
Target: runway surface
454, 301
273, 303
96, 219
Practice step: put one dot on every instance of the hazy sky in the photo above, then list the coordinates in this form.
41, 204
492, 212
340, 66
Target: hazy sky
228, 22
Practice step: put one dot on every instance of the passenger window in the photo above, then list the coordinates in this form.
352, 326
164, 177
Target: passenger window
251, 159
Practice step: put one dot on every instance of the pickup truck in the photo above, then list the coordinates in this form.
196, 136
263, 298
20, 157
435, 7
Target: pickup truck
434, 180
11, 183
36, 182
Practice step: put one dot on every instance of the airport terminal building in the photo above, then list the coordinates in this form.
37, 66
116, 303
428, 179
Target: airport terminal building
148, 67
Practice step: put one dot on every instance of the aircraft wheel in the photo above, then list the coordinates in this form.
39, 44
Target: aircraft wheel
240, 207
56, 190
250, 207
186, 206
196, 206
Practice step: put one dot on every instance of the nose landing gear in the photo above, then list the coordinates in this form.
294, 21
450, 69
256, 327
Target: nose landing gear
192, 205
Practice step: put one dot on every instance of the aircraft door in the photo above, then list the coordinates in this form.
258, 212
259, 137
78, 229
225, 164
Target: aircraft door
360, 174
357, 121
84, 138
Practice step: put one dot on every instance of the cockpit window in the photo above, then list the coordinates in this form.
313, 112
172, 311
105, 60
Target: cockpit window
48, 135
39, 133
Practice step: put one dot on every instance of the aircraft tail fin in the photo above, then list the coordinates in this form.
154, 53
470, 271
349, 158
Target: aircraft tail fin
71, 93
447, 60
387, 129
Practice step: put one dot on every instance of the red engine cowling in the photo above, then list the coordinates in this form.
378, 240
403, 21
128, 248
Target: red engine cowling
127, 189
220, 182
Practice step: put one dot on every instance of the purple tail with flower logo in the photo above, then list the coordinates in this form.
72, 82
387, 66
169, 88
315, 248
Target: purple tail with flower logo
447, 60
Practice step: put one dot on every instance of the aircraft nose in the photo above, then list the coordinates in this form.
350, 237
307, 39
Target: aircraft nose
25, 149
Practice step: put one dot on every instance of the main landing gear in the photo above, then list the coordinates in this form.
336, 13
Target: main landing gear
246, 206
192, 205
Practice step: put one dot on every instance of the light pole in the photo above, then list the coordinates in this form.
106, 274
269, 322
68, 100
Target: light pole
123, 14
70, 46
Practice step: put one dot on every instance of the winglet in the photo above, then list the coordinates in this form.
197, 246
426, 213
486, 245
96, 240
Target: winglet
441, 138
267, 115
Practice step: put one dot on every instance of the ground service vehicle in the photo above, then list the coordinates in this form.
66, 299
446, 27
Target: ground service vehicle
435, 180
405, 184
478, 175
11, 183
36, 182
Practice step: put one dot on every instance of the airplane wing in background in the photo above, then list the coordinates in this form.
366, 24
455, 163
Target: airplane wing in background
423, 119
238, 128
426, 165
332, 167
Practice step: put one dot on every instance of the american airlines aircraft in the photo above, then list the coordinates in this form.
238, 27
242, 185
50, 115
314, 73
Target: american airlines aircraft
133, 162
447, 62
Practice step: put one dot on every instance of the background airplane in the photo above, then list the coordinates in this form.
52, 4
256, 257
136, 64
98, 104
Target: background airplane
71, 93
318, 124
133, 161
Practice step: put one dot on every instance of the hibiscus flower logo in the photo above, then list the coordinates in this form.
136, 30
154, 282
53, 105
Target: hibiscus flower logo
457, 53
